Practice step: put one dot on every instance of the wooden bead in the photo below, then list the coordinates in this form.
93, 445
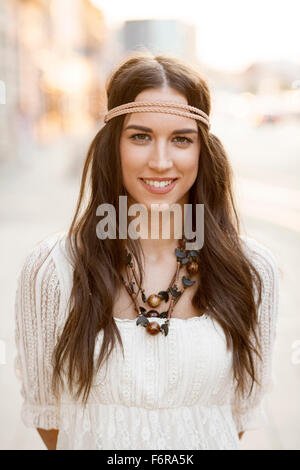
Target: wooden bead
153, 300
152, 313
192, 267
153, 328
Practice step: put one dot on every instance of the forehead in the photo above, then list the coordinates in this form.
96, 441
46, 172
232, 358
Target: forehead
159, 122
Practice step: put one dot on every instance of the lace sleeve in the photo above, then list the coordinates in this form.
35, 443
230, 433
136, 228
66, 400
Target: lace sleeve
249, 413
36, 309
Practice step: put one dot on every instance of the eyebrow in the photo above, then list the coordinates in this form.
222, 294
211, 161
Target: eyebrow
147, 129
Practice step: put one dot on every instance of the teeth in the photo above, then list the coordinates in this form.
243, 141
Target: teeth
157, 184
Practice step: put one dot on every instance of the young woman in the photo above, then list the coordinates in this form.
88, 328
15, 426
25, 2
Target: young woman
143, 343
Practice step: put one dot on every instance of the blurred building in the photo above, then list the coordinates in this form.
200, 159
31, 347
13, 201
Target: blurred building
160, 36
51, 62
270, 77
9, 77
67, 58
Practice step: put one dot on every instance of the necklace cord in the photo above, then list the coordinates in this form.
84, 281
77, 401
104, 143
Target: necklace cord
171, 295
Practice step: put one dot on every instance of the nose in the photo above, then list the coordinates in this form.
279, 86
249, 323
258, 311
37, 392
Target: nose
159, 160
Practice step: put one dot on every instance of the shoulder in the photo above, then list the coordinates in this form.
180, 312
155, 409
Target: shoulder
266, 263
45, 279
38, 284
260, 255
42, 251
45, 261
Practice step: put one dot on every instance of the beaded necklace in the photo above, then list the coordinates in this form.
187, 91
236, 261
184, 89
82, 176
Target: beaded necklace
188, 258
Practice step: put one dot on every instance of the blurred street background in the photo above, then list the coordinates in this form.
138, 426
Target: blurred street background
55, 57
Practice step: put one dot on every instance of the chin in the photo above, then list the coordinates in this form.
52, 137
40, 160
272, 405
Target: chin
163, 202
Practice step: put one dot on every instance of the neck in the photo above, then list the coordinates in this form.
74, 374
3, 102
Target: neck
158, 250
160, 233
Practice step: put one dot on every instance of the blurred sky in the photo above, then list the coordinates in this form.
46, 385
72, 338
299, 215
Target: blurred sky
231, 34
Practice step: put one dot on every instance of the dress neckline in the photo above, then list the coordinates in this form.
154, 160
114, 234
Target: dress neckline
195, 317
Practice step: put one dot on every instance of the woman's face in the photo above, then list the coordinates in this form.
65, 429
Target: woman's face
159, 152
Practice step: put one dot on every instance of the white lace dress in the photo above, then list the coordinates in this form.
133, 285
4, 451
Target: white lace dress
173, 392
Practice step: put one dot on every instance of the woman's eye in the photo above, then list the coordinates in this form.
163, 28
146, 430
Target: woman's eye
143, 138
184, 140
134, 137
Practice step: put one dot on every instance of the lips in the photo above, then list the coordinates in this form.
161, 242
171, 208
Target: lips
158, 185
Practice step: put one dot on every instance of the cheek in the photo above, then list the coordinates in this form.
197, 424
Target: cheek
127, 162
131, 160
188, 164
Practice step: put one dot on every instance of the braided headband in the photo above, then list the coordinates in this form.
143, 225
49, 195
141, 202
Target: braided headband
169, 107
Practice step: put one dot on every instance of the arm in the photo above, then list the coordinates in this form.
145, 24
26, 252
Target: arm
36, 312
249, 413
49, 437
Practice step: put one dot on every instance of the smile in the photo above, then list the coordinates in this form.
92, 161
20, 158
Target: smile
158, 186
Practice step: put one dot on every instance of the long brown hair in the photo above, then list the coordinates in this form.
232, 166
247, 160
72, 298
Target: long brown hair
227, 279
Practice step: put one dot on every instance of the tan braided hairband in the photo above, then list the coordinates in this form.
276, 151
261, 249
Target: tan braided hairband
169, 107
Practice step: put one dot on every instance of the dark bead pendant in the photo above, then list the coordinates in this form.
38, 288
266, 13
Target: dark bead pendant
163, 314
182, 242
174, 292
187, 282
165, 329
163, 294
153, 328
142, 320
180, 254
127, 258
